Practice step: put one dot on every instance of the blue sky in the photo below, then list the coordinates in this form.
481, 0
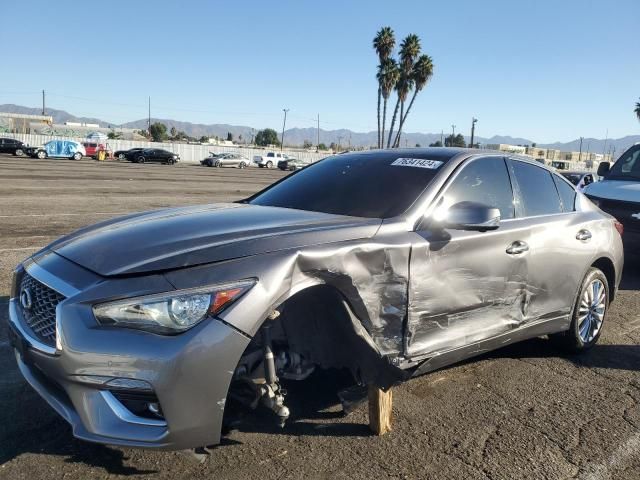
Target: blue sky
546, 70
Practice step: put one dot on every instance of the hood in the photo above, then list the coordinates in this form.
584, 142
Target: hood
622, 190
188, 236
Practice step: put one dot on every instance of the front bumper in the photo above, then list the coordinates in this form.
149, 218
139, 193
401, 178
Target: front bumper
189, 375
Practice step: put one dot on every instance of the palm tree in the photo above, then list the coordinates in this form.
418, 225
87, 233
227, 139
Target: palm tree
637, 110
409, 51
421, 74
384, 42
388, 75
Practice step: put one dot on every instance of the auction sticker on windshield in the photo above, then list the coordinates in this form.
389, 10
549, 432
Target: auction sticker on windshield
417, 162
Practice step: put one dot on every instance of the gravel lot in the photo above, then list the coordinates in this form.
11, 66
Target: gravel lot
526, 411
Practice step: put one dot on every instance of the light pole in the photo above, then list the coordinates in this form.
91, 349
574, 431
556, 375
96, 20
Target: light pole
473, 130
285, 110
580, 154
453, 135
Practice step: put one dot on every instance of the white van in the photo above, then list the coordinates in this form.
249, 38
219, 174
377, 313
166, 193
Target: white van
619, 194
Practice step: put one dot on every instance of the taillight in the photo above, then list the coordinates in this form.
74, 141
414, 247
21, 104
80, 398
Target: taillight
619, 227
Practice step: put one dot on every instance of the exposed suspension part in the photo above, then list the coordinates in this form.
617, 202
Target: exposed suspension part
271, 392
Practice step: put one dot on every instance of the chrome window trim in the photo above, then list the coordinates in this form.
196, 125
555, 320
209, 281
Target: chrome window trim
125, 415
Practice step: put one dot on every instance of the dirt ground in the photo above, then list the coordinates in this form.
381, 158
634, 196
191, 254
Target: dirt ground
524, 412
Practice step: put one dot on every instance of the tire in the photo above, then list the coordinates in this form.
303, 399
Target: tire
589, 314
269, 164
140, 159
77, 156
41, 154
122, 156
242, 165
19, 152
218, 164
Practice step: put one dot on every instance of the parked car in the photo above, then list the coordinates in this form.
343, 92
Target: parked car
618, 194
91, 148
156, 155
226, 160
140, 331
580, 179
291, 164
127, 154
270, 160
12, 146
58, 149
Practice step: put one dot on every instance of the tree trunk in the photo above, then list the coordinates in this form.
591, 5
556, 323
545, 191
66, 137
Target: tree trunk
384, 122
403, 118
396, 141
379, 133
393, 122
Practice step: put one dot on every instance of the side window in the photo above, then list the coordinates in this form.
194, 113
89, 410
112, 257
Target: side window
536, 188
567, 194
486, 181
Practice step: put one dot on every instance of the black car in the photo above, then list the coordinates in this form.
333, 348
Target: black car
10, 145
156, 155
127, 154
291, 164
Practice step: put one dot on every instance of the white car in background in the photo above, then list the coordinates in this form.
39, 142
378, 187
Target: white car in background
270, 160
58, 149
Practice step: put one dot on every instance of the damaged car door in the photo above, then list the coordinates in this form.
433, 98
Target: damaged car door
468, 283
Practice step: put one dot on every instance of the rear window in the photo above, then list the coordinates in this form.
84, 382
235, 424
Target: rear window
367, 185
537, 190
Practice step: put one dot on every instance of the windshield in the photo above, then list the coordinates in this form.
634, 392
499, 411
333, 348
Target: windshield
627, 167
572, 177
366, 185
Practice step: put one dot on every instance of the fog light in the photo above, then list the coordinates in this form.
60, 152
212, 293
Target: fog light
154, 408
129, 384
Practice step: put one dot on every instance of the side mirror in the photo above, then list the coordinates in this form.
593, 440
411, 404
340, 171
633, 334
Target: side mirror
471, 216
603, 168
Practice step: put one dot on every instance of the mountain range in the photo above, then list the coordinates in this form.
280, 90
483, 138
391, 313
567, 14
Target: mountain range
344, 137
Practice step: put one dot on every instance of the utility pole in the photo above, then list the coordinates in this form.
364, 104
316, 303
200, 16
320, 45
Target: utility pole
580, 154
285, 110
149, 117
318, 144
43, 109
442, 138
349, 141
453, 135
606, 137
473, 130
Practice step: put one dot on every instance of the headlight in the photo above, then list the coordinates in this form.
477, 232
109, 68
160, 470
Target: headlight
171, 312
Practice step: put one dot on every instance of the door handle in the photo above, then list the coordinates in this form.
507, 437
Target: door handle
583, 235
517, 247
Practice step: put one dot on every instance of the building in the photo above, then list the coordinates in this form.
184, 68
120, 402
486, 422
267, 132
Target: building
504, 147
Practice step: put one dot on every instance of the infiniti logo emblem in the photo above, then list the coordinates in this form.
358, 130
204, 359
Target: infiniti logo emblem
25, 299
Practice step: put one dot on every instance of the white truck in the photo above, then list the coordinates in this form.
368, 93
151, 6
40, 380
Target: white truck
270, 160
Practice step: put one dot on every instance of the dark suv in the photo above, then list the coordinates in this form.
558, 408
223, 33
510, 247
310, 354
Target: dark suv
10, 145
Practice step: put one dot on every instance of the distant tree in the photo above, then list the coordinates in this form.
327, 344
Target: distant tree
307, 144
457, 141
239, 138
383, 43
204, 139
265, 137
322, 146
173, 133
421, 73
437, 143
418, 145
113, 135
158, 132
142, 133
229, 137
334, 146
637, 110
533, 145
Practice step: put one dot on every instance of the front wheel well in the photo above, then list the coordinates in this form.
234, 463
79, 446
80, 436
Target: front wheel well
606, 266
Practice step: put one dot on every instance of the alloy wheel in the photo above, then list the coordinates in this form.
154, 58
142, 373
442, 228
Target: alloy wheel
591, 310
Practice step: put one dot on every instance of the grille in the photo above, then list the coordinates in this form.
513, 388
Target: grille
41, 316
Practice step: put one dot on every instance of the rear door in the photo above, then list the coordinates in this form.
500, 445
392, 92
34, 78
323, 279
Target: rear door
559, 240
468, 286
